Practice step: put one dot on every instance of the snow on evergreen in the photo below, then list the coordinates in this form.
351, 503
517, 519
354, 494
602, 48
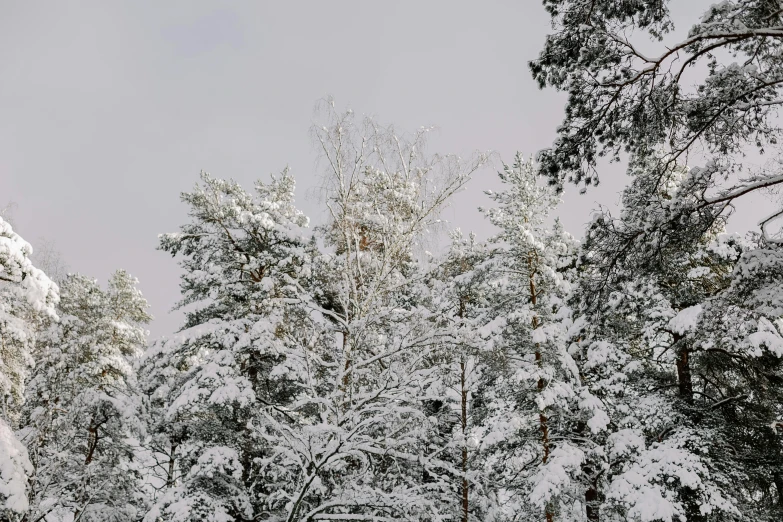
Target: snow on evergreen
343, 373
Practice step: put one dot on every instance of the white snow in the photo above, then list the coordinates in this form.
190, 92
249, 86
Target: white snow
686, 320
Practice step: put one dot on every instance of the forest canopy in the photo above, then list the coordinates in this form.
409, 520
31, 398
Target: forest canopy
632, 371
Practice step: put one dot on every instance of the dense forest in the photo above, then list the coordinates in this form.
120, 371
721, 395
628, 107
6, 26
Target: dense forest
632, 371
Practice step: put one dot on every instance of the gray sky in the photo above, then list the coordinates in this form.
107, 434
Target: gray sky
111, 109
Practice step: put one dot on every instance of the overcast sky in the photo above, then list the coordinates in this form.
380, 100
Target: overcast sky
110, 109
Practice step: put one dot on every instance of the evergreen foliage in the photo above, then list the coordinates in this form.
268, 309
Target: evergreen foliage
344, 373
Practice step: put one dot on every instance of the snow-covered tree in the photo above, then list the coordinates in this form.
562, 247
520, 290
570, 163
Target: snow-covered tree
81, 418
364, 453
674, 350
27, 297
629, 82
26, 292
461, 293
671, 303
348, 374
213, 388
534, 381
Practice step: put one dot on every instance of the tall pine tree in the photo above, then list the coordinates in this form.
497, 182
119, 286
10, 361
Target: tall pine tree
82, 414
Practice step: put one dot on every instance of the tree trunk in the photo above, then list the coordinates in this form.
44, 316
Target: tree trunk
92, 443
172, 461
541, 384
345, 382
684, 379
778, 478
591, 493
464, 421
591, 503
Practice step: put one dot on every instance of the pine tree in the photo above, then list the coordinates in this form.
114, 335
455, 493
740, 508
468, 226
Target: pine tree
81, 415
674, 350
534, 382
216, 386
27, 300
461, 297
673, 303
623, 99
